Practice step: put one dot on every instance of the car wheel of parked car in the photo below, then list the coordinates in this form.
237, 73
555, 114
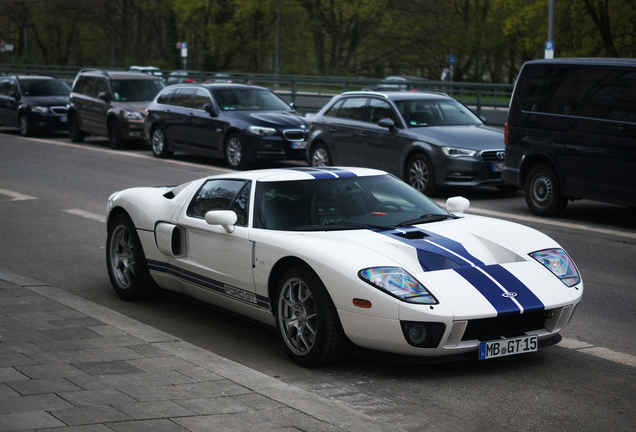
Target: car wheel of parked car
307, 320
115, 139
235, 153
127, 267
158, 142
420, 175
74, 131
320, 156
543, 192
25, 125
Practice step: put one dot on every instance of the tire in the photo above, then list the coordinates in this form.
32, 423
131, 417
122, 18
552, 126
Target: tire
543, 192
115, 139
236, 152
158, 142
126, 262
320, 156
74, 130
420, 174
307, 320
26, 129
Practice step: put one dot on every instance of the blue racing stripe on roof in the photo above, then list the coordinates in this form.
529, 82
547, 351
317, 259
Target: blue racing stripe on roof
526, 298
490, 290
322, 173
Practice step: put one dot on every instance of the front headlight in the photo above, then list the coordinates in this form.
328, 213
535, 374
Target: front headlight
398, 283
40, 109
262, 131
133, 115
458, 152
560, 264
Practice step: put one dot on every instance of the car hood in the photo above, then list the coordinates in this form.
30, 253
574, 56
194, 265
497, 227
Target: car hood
141, 106
279, 119
472, 137
45, 100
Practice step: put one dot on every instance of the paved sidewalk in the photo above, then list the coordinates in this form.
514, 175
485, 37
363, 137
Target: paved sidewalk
67, 364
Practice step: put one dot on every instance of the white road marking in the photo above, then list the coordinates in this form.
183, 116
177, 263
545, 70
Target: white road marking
604, 353
86, 214
16, 196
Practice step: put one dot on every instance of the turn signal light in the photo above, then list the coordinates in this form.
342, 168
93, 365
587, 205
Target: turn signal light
362, 303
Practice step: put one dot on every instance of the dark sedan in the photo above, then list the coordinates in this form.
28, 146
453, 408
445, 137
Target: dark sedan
34, 103
428, 139
239, 123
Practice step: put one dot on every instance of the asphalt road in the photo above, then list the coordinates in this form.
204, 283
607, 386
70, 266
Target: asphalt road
52, 210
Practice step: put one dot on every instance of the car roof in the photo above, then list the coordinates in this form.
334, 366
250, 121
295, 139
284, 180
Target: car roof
218, 86
588, 61
398, 95
32, 77
117, 74
301, 173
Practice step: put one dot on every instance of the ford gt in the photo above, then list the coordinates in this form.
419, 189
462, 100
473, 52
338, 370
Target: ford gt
345, 260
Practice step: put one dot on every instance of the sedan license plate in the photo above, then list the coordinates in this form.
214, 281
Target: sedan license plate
299, 145
506, 347
498, 166
63, 119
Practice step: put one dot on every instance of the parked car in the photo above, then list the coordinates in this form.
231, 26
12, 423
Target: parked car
342, 259
400, 83
34, 103
239, 123
182, 76
152, 70
111, 104
571, 133
428, 139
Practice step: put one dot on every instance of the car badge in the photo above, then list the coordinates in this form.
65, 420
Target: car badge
501, 155
509, 295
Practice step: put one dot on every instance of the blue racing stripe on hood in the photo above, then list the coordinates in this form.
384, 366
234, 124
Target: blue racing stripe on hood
526, 298
490, 290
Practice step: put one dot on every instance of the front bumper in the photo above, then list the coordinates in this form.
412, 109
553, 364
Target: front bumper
274, 148
483, 169
132, 129
53, 120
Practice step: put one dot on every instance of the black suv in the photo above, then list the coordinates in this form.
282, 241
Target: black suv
33, 103
111, 104
428, 139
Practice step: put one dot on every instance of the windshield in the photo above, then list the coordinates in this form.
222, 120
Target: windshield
44, 88
374, 202
426, 112
249, 100
136, 90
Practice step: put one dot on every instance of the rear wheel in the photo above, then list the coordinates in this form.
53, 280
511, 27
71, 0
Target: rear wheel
75, 132
307, 320
158, 142
126, 262
543, 192
115, 139
420, 174
320, 156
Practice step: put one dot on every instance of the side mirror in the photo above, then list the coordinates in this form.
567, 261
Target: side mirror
225, 218
457, 204
16, 95
104, 96
387, 123
293, 105
483, 119
211, 110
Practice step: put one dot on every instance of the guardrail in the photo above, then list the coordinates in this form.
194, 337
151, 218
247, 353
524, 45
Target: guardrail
310, 93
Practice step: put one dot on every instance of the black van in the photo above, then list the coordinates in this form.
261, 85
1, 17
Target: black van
571, 132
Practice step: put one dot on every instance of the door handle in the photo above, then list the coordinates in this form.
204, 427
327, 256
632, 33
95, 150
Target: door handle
363, 134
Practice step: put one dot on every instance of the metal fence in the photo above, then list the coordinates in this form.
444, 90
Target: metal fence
310, 93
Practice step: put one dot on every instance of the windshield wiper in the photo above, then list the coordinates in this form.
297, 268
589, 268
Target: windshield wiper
425, 218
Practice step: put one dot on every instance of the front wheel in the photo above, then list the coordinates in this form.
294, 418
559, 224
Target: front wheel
236, 153
26, 129
543, 192
115, 139
158, 143
74, 130
307, 320
320, 156
420, 175
126, 262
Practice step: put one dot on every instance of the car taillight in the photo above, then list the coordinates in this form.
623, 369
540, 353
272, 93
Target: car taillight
506, 134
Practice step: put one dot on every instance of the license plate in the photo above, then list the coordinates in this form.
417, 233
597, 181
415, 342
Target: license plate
299, 145
498, 166
506, 347
63, 119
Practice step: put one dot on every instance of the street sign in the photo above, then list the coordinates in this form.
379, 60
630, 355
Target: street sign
184, 49
451, 59
549, 50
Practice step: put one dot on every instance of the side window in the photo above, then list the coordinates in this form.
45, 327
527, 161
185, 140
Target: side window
183, 97
165, 96
222, 195
87, 85
101, 86
353, 109
4, 87
13, 88
551, 90
607, 94
380, 109
333, 111
201, 98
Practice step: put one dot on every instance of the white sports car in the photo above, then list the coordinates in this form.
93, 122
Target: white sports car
345, 259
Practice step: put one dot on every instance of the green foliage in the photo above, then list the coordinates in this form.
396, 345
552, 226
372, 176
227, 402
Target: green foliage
364, 38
